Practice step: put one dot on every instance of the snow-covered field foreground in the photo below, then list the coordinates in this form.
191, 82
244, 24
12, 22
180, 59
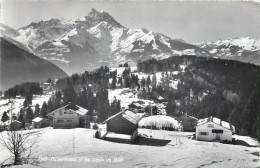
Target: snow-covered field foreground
78, 148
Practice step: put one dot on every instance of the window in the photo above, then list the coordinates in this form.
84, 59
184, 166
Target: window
60, 112
217, 131
204, 133
68, 112
60, 121
69, 120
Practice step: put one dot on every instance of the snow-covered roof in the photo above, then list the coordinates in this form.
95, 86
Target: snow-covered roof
37, 119
127, 114
11, 121
217, 121
131, 116
79, 110
160, 98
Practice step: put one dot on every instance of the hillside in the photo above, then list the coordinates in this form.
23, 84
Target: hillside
18, 65
222, 88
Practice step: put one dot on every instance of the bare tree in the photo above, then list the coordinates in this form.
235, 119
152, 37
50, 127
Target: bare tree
18, 142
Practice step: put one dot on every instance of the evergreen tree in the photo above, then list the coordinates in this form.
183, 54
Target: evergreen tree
154, 81
113, 85
171, 108
29, 114
70, 95
37, 110
22, 118
48, 80
120, 82
5, 117
143, 82
28, 100
57, 100
83, 99
21, 115
148, 81
44, 110
50, 106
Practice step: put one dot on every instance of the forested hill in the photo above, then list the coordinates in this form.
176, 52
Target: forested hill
18, 65
223, 88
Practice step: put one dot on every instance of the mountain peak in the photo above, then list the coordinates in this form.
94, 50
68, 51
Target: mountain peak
102, 16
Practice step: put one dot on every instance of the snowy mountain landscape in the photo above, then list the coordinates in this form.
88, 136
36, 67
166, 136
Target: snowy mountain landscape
243, 49
97, 39
90, 92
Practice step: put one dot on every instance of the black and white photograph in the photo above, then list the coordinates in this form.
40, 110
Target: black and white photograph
129, 83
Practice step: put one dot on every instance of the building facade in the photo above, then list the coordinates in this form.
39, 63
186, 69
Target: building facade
214, 129
69, 116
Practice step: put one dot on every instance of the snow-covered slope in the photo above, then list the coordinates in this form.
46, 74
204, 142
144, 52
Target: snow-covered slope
6, 105
98, 39
77, 148
243, 49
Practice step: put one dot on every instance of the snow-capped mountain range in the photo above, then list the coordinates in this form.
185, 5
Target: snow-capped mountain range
243, 49
98, 39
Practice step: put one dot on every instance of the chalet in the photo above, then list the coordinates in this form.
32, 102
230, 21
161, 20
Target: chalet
214, 129
189, 123
12, 125
69, 116
39, 122
124, 122
46, 87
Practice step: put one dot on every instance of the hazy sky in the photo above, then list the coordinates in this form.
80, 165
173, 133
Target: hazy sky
191, 21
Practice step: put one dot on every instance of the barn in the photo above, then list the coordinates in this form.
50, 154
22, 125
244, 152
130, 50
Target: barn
214, 129
189, 123
69, 116
124, 122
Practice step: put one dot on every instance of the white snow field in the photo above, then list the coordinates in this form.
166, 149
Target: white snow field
77, 148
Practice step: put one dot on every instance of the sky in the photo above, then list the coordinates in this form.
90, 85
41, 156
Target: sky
191, 21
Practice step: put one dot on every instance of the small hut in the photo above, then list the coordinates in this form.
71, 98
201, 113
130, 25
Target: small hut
189, 123
124, 122
39, 122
